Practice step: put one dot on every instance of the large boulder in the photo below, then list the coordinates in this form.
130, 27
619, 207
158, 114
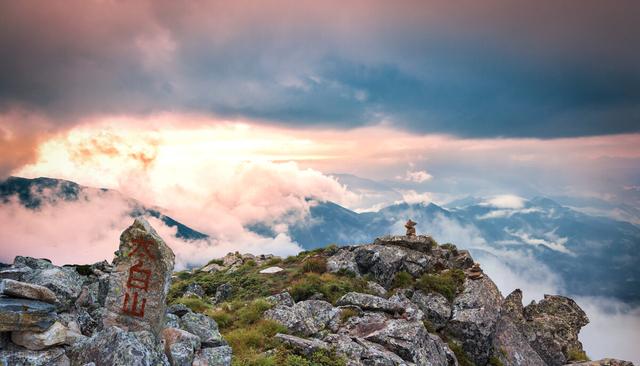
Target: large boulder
139, 284
35, 341
65, 282
51, 357
180, 346
115, 346
307, 318
436, 308
475, 313
12, 288
511, 347
216, 356
25, 315
370, 302
383, 262
302, 345
203, 327
421, 243
360, 352
551, 326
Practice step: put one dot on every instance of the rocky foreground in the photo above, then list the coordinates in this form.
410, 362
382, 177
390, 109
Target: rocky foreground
402, 300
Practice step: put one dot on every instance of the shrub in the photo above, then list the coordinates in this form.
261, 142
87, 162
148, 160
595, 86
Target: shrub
315, 265
290, 259
495, 361
575, 354
402, 280
347, 313
331, 286
448, 283
319, 358
248, 343
219, 262
461, 355
194, 303
346, 273
273, 261
450, 247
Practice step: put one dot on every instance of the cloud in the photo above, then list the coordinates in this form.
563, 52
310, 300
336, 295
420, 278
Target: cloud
505, 201
550, 240
416, 176
414, 65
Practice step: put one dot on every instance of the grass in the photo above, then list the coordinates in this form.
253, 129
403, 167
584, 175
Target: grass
495, 361
347, 313
194, 303
461, 355
331, 286
315, 265
402, 280
577, 355
448, 283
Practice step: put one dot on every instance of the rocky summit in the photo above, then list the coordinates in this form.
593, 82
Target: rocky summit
401, 300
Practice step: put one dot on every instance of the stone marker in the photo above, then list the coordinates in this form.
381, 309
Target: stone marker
139, 283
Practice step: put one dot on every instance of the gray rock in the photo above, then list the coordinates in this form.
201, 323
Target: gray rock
306, 317
217, 356
551, 326
139, 284
35, 341
375, 289
411, 310
421, 243
436, 308
232, 259
66, 283
88, 325
211, 268
178, 309
283, 298
204, 327
14, 273
25, 290
193, 289
370, 302
25, 315
360, 352
511, 347
114, 346
180, 346
604, 362
475, 313
171, 321
343, 260
21, 357
383, 262
302, 345
271, 270
33, 263
223, 292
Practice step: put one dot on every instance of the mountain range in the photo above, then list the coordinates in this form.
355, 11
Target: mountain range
591, 255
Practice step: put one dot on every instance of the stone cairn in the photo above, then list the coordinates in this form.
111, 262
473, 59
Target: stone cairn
475, 272
411, 228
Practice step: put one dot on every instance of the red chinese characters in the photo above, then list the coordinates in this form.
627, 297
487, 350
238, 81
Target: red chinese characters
138, 280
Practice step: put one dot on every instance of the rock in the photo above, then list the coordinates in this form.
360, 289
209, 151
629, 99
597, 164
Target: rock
383, 262
408, 339
302, 345
24, 290
14, 273
231, 259
360, 352
178, 309
511, 347
421, 243
193, 289
370, 302
180, 346
18, 357
33, 263
475, 313
217, 356
343, 260
25, 315
88, 325
114, 346
436, 308
223, 292
475, 272
204, 327
604, 362
411, 311
271, 270
551, 326
305, 317
35, 341
376, 289
211, 268
171, 321
66, 283
283, 298
139, 284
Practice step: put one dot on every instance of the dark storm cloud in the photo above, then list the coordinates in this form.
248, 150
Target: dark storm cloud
496, 68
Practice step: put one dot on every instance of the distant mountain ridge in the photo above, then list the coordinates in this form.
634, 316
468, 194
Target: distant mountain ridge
594, 256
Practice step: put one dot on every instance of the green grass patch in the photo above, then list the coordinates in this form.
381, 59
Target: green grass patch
402, 280
448, 283
577, 355
314, 265
461, 355
194, 303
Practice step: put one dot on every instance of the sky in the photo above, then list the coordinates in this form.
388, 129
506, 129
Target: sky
227, 113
